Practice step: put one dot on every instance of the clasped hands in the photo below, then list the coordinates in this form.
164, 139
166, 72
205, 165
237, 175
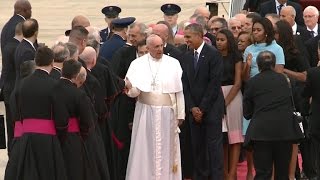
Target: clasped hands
197, 114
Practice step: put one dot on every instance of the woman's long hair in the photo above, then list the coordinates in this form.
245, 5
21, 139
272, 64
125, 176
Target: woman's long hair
286, 39
232, 44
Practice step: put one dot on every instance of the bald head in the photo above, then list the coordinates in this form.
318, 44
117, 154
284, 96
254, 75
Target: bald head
23, 7
203, 11
241, 17
161, 31
89, 56
81, 78
288, 13
80, 21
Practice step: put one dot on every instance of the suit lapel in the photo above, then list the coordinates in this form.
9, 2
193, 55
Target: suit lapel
200, 60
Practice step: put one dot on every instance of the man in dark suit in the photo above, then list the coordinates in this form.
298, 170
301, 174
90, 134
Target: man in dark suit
8, 77
168, 49
288, 13
312, 49
22, 11
61, 54
118, 39
275, 6
311, 90
311, 17
204, 103
110, 12
272, 129
26, 49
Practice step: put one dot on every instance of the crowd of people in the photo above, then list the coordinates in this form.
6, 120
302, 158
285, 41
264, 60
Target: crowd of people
164, 101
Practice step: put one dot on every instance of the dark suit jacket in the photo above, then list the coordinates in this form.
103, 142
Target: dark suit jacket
104, 34
202, 87
312, 49
270, 7
55, 73
122, 59
303, 33
24, 52
172, 51
109, 47
312, 89
309, 34
267, 103
254, 5
8, 30
8, 74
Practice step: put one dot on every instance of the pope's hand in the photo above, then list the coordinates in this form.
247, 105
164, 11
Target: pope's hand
128, 84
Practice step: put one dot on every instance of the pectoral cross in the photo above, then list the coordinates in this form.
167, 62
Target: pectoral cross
153, 84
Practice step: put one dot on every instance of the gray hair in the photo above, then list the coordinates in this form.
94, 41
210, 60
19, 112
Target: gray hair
60, 52
72, 48
142, 27
312, 8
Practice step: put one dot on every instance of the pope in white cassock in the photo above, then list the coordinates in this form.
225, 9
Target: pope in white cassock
155, 79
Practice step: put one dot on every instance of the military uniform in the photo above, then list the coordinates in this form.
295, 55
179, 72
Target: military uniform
110, 12
171, 10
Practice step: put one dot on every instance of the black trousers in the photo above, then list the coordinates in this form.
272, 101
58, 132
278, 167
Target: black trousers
269, 153
315, 141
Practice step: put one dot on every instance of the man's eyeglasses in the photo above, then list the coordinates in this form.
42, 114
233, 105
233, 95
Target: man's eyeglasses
236, 27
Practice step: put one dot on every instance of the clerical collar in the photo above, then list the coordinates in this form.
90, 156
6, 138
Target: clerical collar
30, 43
165, 45
21, 16
43, 70
154, 59
200, 47
66, 79
56, 67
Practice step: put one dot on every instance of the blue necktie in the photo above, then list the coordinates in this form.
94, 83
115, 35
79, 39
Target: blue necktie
195, 59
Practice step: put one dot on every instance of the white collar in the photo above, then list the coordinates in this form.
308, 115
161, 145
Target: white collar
21, 16
66, 79
57, 67
154, 59
315, 30
30, 43
278, 4
174, 29
294, 29
200, 48
43, 70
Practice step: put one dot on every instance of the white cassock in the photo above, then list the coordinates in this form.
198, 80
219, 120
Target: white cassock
155, 148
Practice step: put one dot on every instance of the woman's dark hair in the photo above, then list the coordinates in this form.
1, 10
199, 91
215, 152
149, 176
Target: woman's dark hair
268, 28
232, 45
286, 39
